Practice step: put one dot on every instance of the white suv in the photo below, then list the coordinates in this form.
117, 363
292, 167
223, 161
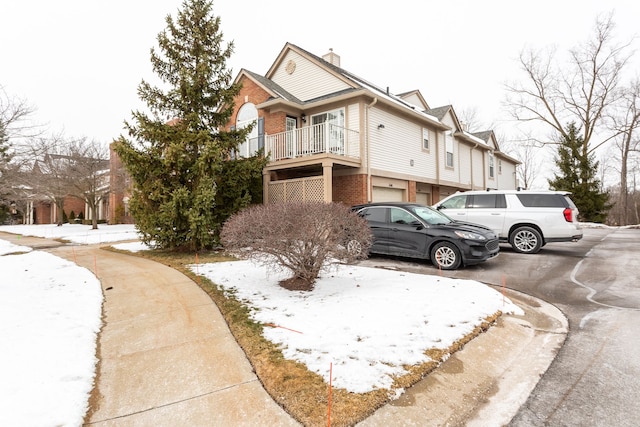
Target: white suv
527, 219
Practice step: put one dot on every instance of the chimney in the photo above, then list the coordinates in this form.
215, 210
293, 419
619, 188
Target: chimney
332, 58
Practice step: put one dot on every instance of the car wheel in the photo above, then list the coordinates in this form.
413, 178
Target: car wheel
354, 248
526, 240
446, 256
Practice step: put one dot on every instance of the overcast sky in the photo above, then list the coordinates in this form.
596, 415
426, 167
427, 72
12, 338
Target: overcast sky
79, 62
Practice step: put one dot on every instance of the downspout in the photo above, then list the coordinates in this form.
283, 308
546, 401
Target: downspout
368, 149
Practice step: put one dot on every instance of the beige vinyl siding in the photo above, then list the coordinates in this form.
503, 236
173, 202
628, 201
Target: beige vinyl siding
298, 83
352, 121
506, 179
399, 142
447, 173
464, 173
478, 172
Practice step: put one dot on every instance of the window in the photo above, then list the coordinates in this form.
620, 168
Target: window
499, 167
457, 202
491, 166
333, 123
374, 214
247, 116
291, 136
425, 139
484, 201
400, 216
448, 142
540, 200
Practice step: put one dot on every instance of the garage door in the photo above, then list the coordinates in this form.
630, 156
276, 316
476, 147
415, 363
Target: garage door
386, 194
423, 198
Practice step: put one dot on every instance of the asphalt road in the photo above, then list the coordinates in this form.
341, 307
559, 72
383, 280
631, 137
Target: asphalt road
596, 283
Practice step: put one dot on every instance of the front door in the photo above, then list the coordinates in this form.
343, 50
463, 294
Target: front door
291, 149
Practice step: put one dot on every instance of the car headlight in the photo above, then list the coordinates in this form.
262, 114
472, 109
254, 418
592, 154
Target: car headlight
469, 235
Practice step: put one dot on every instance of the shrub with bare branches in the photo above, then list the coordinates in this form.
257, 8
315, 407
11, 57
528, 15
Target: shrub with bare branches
301, 237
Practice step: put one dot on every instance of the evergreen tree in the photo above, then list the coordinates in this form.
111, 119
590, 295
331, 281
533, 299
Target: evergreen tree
578, 174
179, 157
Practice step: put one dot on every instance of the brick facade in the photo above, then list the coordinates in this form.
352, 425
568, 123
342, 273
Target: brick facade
350, 189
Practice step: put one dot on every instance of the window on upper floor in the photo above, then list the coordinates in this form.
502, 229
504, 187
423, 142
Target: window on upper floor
247, 116
448, 142
425, 139
499, 167
491, 166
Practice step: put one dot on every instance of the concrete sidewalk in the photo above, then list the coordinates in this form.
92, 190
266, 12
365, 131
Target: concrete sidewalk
167, 358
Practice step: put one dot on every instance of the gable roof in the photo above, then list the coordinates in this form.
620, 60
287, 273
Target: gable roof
415, 93
271, 87
357, 86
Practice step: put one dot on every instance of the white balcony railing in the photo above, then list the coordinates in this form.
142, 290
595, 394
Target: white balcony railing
306, 141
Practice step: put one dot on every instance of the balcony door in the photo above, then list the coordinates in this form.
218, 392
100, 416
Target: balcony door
291, 148
328, 131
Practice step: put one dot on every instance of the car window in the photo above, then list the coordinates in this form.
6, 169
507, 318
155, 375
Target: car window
456, 202
374, 214
486, 201
431, 216
483, 201
569, 202
400, 216
540, 200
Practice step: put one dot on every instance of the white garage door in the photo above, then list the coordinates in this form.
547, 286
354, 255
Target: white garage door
386, 194
423, 198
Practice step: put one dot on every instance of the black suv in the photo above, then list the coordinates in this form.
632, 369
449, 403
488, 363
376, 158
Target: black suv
417, 231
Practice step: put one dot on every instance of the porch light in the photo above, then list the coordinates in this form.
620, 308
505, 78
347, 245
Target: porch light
303, 117
380, 126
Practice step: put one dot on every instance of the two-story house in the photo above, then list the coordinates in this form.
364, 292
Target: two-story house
333, 136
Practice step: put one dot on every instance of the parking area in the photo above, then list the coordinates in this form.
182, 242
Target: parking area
594, 282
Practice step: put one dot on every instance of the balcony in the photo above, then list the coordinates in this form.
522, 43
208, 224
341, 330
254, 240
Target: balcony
310, 140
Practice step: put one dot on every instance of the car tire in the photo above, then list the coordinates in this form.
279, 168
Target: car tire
526, 240
446, 256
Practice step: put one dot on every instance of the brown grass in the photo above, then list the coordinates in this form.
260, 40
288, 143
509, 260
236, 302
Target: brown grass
302, 393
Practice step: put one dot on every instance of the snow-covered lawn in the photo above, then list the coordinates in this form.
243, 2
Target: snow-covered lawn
76, 233
50, 315
365, 323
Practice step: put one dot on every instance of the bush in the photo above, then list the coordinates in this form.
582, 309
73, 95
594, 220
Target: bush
301, 237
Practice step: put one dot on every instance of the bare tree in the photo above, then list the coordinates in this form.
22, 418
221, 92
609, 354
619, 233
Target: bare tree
48, 177
626, 125
88, 175
528, 153
581, 91
14, 113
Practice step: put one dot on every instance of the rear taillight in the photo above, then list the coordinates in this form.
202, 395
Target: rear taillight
568, 214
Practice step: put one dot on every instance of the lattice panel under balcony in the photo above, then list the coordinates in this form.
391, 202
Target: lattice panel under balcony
297, 190
276, 192
314, 190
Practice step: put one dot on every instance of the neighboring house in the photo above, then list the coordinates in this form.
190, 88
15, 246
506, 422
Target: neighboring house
38, 208
333, 136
